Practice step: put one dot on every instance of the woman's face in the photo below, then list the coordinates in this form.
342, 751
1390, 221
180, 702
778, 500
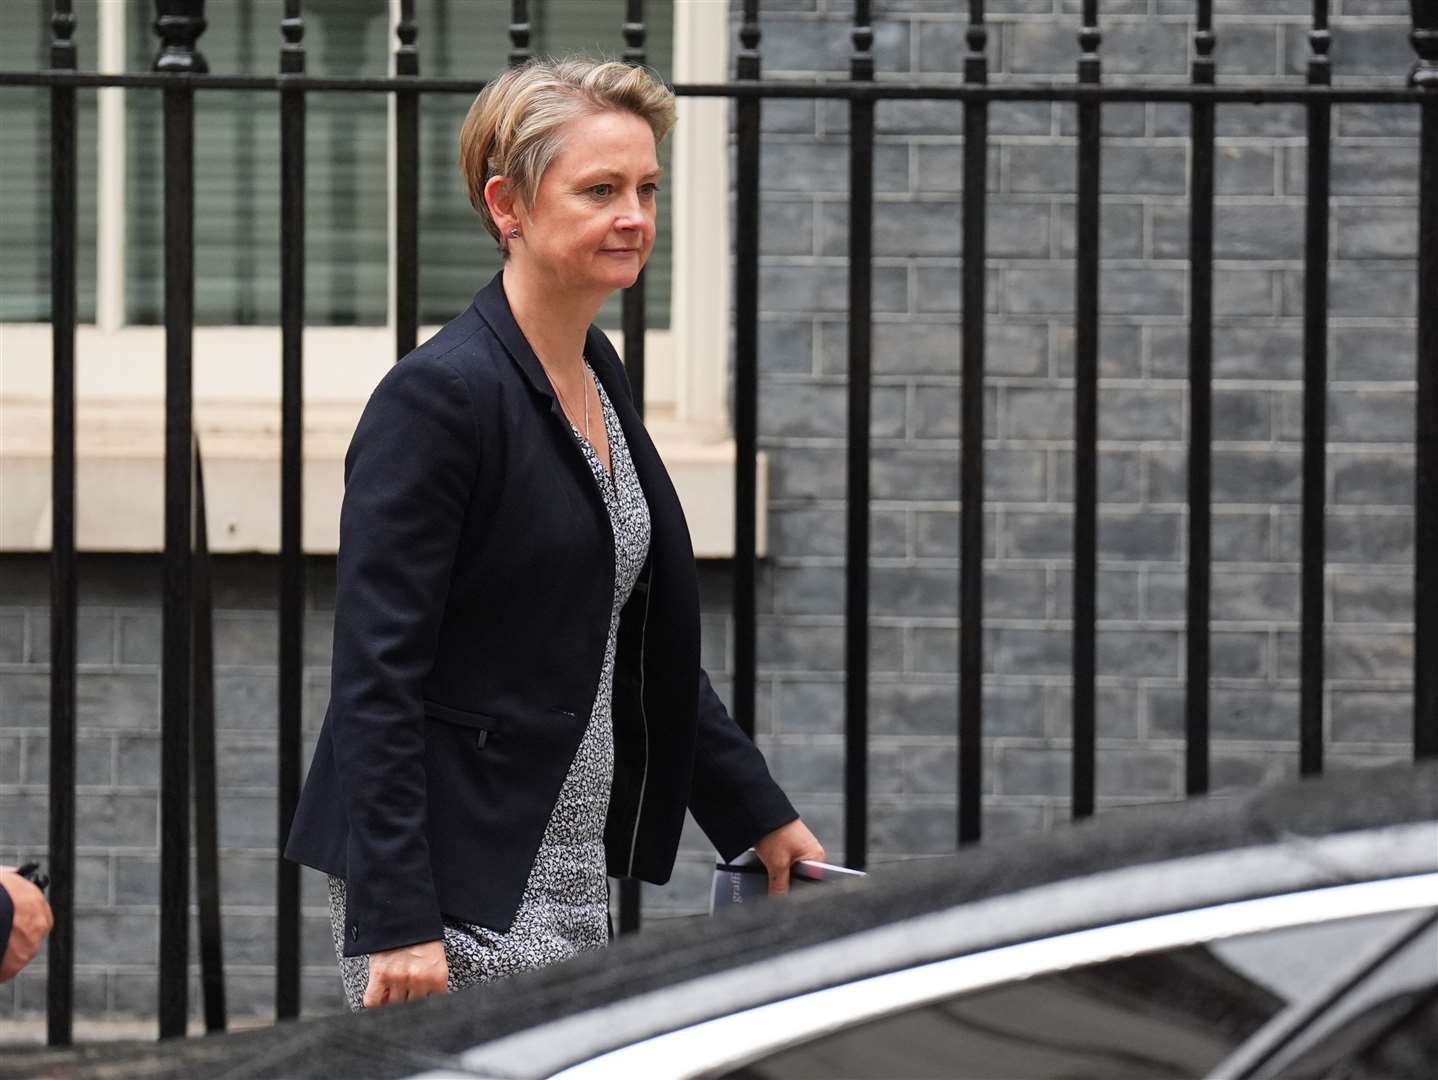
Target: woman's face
591, 227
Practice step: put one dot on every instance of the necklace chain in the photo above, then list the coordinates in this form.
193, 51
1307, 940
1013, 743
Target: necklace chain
584, 390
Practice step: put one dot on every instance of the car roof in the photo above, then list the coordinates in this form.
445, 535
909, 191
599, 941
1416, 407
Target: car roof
404, 1040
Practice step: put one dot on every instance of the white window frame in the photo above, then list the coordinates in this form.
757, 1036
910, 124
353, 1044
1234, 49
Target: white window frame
120, 367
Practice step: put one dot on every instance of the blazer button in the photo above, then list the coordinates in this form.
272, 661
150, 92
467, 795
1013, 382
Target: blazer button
354, 933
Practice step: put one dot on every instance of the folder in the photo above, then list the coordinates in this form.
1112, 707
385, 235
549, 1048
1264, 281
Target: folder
744, 879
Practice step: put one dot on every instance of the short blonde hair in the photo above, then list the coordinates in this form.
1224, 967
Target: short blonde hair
513, 127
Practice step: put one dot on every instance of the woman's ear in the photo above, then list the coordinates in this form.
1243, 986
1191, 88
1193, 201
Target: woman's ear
503, 206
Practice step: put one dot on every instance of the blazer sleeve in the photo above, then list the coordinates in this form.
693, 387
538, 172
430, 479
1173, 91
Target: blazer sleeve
408, 475
732, 796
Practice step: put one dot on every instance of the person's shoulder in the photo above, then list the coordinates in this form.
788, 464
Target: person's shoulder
465, 335
468, 348
421, 373
425, 382
463, 350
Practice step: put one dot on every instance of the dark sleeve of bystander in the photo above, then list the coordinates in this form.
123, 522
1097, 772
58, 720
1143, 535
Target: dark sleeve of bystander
7, 919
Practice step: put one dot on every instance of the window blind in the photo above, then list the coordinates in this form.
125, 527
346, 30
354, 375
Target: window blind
237, 160
237, 170
25, 166
346, 229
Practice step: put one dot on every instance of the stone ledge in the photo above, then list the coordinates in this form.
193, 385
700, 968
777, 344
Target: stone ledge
120, 475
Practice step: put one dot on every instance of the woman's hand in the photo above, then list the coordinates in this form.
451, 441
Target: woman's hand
406, 974
782, 848
33, 920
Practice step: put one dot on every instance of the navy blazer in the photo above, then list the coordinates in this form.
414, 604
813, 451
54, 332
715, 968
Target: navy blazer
474, 583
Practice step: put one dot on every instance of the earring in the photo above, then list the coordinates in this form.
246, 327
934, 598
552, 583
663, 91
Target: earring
514, 231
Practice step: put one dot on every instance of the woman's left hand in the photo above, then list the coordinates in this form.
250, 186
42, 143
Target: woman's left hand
782, 848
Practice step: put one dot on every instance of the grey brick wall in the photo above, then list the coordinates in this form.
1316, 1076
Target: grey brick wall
915, 513
1143, 411
118, 770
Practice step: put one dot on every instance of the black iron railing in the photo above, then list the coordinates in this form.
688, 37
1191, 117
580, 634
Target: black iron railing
187, 713
1200, 407
64, 608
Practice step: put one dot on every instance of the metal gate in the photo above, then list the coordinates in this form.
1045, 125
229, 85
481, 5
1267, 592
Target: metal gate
180, 72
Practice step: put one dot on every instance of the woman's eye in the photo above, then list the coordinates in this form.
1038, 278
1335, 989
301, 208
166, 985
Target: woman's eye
649, 190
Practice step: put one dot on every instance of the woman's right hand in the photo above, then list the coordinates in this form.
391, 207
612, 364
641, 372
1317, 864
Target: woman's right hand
406, 974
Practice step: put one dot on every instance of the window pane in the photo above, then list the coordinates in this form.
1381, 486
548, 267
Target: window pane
25, 165
1385, 1026
237, 170
1396, 1039
466, 39
1170, 1014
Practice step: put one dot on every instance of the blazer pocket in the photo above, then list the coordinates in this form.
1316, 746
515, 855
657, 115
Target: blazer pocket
479, 724
489, 796
463, 717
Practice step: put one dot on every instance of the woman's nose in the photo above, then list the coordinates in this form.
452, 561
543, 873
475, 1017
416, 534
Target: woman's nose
634, 222
631, 214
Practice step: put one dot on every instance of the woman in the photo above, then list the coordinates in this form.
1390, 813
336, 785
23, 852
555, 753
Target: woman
517, 705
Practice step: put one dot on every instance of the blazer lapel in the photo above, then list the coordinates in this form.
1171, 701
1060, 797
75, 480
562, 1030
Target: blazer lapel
493, 308
666, 514
665, 511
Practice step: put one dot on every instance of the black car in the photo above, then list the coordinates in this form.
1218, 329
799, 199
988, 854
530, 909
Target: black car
1288, 932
